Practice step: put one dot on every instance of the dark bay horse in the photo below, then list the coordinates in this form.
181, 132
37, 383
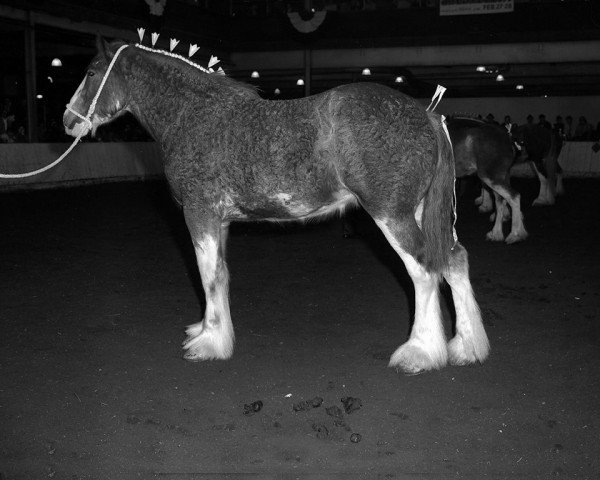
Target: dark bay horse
541, 147
486, 149
231, 156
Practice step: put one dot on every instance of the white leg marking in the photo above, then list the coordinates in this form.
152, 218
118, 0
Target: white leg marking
544, 197
470, 344
496, 234
213, 337
426, 347
486, 204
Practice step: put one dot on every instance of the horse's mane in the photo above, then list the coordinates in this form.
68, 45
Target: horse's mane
195, 74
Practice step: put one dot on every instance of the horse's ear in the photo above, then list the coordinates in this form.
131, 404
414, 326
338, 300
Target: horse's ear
102, 46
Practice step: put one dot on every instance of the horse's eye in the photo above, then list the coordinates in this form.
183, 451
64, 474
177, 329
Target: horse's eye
90, 73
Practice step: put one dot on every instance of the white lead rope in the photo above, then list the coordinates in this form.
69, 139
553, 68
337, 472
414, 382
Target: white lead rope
82, 133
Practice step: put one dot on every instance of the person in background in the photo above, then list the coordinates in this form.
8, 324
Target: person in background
559, 126
543, 122
490, 119
583, 131
569, 130
530, 119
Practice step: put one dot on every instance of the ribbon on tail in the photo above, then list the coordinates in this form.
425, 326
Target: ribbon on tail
454, 234
437, 97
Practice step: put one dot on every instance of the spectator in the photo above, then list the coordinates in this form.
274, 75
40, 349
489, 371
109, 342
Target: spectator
490, 119
6, 121
569, 131
530, 119
596, 134
559, 126
543, 122
583, 131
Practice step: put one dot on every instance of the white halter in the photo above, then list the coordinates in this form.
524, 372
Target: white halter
82, 132
90, 112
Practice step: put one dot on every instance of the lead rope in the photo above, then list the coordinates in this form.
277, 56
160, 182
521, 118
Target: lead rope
81, 134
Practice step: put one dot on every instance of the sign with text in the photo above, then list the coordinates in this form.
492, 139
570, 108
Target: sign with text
475, 7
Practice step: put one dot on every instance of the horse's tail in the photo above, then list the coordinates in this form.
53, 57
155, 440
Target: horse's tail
438, 206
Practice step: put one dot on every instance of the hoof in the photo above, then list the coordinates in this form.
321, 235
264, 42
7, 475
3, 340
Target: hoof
516, 237
494, 237
206, 344
542, 202
485, 208
466, 353
412, 360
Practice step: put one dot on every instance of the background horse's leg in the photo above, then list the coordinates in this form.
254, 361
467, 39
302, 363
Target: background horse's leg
486, 201
426, 347
496, 234
470, 344
544, 196
213, 337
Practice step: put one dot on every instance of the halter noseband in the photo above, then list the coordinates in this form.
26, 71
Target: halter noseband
88, 117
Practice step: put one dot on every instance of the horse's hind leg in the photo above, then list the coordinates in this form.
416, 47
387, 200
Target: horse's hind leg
426, 347
213, 337
486, 204
496, 234
504, 192
470, 344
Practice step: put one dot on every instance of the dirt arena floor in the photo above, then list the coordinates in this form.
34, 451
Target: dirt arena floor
98, 283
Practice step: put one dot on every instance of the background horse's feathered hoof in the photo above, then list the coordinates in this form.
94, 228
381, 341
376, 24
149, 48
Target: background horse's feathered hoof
494, 236
205, 343
516, 237
412, 359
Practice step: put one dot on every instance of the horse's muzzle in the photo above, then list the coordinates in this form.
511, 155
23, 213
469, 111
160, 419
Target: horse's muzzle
74, 126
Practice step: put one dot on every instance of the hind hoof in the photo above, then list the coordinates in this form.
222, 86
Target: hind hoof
494, 237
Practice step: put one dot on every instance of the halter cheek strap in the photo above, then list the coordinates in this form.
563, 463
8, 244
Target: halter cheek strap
87, 118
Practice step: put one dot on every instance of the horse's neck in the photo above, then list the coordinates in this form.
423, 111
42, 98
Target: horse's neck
158, 99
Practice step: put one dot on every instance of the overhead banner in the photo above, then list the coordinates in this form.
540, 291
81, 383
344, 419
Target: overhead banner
475, 7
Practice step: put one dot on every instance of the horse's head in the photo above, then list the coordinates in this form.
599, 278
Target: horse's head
112, 100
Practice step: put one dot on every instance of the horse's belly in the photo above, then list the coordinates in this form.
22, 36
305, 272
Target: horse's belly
287, 206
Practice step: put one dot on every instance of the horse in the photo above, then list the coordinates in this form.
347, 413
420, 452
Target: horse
542, 147
486, 149
230, 155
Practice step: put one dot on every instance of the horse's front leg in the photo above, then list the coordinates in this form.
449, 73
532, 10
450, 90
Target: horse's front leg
213, 337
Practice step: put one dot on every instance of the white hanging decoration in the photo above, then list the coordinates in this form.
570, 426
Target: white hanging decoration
213, 61
193, 49
174, 42
155, 38
141, 32
220, 71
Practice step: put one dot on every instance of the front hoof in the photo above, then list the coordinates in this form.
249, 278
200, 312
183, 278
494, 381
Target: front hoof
494, 236
412, 360
516, 237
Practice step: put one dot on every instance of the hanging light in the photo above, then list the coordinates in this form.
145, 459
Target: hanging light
277, 91
56, 62
399, 79
519, 87
254, 74
50, 79
366, 71
480, 68
300, 82
500, 78
39, 96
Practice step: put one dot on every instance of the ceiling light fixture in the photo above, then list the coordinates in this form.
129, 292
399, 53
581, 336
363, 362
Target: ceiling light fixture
500, 78
56, 62
366, 71
254, 74
399, 79
519, 87
300, 82
277, 91
480, 68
